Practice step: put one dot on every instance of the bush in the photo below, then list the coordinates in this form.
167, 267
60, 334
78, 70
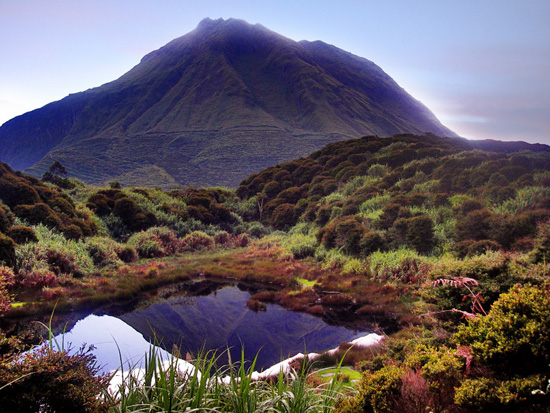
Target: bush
475, 225
197, 240
424, 380
54, 252
125, 208
14, 192
513, 336
103, 252
241, 240
222, 238
156, 242
256, 229
7, 251
6, 218
37, 279
38, 214
72, 232
541, 252
52, 381
470, 247
127, 254
371, 241
22, 234
150, 248
344, 232
283, 217
420, 233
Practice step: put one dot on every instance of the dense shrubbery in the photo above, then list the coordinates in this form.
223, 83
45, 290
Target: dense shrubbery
420, 192
450, 225
53, 381
494, 363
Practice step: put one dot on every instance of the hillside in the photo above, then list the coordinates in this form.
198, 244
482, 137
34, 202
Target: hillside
372, 193
443, 243
209, 108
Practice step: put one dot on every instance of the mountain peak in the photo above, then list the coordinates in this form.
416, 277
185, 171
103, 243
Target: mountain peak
208, 24
213, 106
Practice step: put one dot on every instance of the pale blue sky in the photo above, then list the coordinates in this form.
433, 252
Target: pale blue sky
483, 66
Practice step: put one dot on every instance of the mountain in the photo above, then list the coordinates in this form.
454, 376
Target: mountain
222, 321
213, 106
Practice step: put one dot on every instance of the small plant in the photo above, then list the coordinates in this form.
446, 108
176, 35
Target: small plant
467, 283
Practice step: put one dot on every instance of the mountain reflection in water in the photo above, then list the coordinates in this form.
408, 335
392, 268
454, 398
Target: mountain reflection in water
218, 321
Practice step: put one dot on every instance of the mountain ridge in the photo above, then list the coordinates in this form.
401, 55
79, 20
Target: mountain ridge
213, 106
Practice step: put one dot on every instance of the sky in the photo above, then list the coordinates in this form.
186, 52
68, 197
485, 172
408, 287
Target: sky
482, 66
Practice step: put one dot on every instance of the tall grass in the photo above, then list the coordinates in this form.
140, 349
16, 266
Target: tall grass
163, 386
525, 198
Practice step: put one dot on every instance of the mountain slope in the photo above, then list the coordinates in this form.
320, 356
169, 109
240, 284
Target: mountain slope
213, 106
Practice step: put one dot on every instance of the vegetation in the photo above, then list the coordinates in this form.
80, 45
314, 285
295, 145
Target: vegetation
444, 247
170, 386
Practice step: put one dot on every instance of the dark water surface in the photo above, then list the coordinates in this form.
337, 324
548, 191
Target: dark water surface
216, 321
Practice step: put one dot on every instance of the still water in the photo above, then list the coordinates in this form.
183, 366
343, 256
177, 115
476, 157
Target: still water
218, 321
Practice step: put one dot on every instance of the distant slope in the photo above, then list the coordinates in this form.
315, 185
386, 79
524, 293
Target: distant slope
426, 193
226, 100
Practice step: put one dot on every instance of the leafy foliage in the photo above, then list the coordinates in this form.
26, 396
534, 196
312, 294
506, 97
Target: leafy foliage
49, 380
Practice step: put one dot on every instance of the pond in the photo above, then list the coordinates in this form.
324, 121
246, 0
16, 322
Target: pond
217, 321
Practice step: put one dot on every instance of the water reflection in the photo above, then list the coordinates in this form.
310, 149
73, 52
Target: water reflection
217, 321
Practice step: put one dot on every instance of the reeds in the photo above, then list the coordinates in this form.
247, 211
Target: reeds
176, 386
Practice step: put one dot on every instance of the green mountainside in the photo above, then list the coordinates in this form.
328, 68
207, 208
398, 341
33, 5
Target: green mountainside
209, 108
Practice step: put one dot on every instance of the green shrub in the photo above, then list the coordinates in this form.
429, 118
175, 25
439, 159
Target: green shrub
125, 208
17, 192
104, 252
22, 234
62, 205
7, 251
52, 381
379, 389
541, 252
371, 241
55, 253
197, 240
72, 232
491, 395
127, 254
6, 218
343, 232
38, 214
150, 248
283, 216
256, 229
475, 225
156, 242
513, 336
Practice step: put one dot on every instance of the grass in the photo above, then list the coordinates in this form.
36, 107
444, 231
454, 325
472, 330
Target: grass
174, 386
345, 374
